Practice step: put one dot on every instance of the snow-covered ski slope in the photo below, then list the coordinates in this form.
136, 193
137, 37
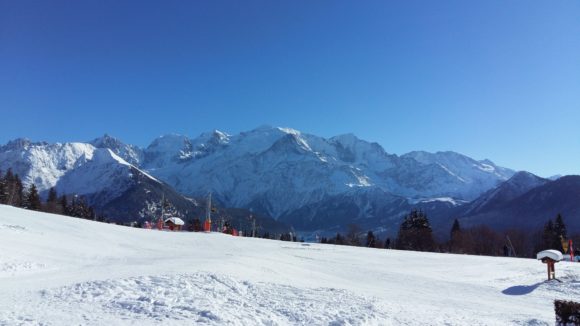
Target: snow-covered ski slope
57, 270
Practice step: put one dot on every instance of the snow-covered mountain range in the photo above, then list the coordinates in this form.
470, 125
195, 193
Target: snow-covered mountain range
280, 169
97, 174
270, 170
72, 168
117, 189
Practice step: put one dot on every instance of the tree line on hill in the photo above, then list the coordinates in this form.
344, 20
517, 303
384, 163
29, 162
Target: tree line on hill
415, 234
482, 240
13, 193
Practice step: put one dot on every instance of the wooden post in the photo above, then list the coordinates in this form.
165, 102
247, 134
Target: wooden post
550, 258
551, 269
551, 265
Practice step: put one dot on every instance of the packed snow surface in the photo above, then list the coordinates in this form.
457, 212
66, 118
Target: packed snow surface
57, 270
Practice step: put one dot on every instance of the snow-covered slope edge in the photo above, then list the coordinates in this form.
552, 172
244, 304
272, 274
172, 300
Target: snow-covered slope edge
60, 270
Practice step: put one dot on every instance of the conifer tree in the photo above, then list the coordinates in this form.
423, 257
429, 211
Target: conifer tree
18, 192
339, 240
90, 213
550, 239
560, 227
79, 208
52, 201
73, 207
559, 233
3, 190
32, 198
52, 196
454, 242
63, 205
455, 228
415, 233
548, 232
10, 181
388, 243
371, 240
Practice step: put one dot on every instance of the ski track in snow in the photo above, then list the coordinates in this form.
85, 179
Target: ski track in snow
15, 228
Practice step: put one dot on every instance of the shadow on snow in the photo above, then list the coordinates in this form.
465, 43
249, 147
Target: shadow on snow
521, 289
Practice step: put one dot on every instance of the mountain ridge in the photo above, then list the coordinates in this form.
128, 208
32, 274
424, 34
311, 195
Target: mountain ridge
278, 171
533, 207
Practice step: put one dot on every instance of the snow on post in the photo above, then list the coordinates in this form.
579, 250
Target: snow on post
550, 257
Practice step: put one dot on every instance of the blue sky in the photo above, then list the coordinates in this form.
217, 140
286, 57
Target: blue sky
490, 79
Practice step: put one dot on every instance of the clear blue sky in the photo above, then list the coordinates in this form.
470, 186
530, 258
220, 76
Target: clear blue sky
490, 79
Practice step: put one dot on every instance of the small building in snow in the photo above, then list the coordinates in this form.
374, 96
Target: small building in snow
174, 223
